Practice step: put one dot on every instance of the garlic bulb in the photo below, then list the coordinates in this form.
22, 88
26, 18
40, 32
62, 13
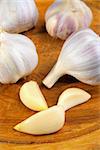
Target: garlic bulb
64, 17
80, 57
53, 119
18, 15
18, 57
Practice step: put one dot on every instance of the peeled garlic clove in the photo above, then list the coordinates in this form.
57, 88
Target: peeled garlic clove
52, 119
32, 97
80, 57
18, 15
64, 17
73, 97
44, 122
18, 57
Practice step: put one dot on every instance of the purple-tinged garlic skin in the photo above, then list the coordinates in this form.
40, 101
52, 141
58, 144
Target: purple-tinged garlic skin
64, 17
79, 57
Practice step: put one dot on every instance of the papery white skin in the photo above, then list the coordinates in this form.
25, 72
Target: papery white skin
64, 17
80, 57
18, 15
52, 119
18, 57
32, 97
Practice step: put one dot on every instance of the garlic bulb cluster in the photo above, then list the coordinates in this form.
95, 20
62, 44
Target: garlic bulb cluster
80, 57
64, 17
18, 15
18, 57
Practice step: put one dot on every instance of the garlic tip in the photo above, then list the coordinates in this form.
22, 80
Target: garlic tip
17, 127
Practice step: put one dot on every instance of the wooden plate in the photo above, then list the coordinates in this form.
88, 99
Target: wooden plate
82, 128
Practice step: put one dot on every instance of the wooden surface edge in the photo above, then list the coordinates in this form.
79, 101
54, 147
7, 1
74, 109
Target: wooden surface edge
86, 142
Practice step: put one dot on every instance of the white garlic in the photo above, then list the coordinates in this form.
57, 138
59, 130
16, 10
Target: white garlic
44, 122
64, 17
72, 97
18, 15
18, 57
52, 119
32, 97
80, 57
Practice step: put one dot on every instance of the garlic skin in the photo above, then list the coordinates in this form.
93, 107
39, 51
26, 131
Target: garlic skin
80, 58
64, 17
17, 16
18, 57
53, 119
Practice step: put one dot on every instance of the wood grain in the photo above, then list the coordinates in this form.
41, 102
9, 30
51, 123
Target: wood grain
82, 128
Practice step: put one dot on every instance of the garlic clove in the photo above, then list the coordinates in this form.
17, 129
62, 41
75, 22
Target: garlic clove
73, 97
52, 119
44, 122
18, 57
80, 57
19, 16
64, 17
32, 97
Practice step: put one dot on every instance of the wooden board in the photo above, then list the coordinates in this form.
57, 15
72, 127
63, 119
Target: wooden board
82, 128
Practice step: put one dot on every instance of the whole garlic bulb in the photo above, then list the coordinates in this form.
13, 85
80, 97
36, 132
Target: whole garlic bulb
64, 17
18, 15
18, 57
80, 57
